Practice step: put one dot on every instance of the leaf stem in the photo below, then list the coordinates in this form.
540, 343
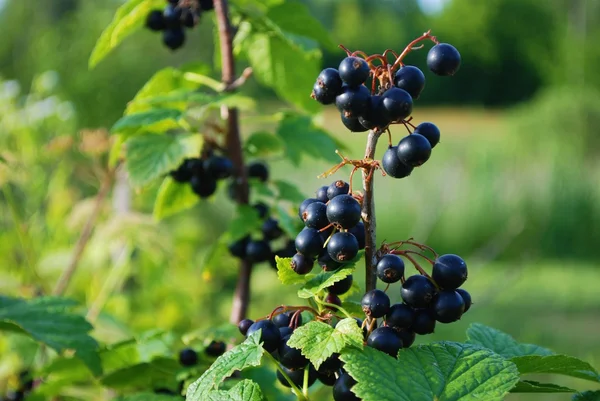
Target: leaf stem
334, 306
294, 388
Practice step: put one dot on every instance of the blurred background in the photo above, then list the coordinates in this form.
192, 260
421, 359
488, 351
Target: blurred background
513, 186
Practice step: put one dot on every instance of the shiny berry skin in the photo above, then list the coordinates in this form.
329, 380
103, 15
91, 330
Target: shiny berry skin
315, 215
443, 59
327, 263
429, 131
341, 287
414, 150
385, 339
270, 229
353, 124
302, 264
397, 103
258, 170
309, 242
258, 251
424, 322
408, 337
390, 268
304, 205
290, 357
375, 303
322, 96
448, 306
354, 71
331, 364
342, 389
174, 38
343, 211
466, 298
321, 194
269, 336
393, 166
342, 247
327, 378
285, 331
155, 21
297, 376
284, 319
411, 79
328, 86
203, 185
449, 271
400, 316
218, 167
359, 232
353, 101
332, 299
188, 357
186, 170
418, 291
376, 115
336, 188
172, 16
215, 349
244, 325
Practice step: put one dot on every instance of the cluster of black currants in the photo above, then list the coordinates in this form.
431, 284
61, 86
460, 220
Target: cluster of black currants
177, 15
333, 232
425, 301
26, 383
202, 173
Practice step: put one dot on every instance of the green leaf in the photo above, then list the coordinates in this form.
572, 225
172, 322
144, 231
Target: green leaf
214, 100
245, 221
50, 320
142, 374
249, 353
173, 197
354, 308
287, 275
151, 156
246, 390
323, 280
289, 191
557, 364
302, 138
146, 118
147, 397
501, 343
128, 18
587, 396
318, 340
261, 144
226, 331
289, 221
440, 371
530, 386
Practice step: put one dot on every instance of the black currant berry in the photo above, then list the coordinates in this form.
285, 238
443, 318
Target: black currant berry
315, 215
155, 21
258, 251
466, 298
359, 232
258, 170
290, 357
343, 211
398, 103
342, 247
376, 115
244, 325
174, 2
331, 364
342, 389
332, 299
353, 124
189, 20
285, 331
429, 131
238, 248
424, 322
327, 263
336, 188
304, 205
393, 166
302, 264
269, 336
321, 194
328, 86
443, 59
390, 268
375, 303
186, 170
400, 316
284, 319
418, 291
327, 378
408, 337
188, 357
174, 38
341, 287
172, 16
449, 271
414, 150
309, 242
353, 101
411, 79
323, 96
203, 185
354, 71
262, 209
270, 229
448, 306
297, 376
385, 339
218, 167
327, 232
207, 5
215, 349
